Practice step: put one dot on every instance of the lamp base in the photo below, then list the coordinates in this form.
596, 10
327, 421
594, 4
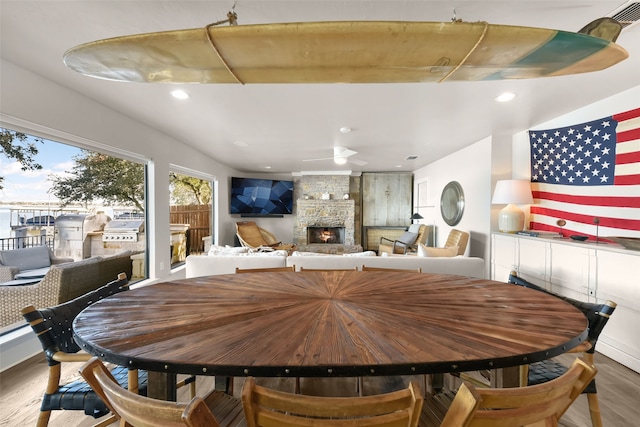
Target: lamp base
511, 219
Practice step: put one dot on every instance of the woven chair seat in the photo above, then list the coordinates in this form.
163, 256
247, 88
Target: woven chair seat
547, 370
78, 395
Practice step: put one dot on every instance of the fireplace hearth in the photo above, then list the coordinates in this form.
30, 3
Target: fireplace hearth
325, 235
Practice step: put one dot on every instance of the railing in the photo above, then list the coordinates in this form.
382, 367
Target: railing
11, 243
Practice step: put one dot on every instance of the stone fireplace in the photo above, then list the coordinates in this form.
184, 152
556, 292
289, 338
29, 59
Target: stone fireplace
325, 220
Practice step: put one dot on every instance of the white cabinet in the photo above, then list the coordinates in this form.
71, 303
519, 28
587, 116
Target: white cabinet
583, 271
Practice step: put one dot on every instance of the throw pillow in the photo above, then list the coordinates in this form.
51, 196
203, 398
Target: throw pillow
227, 250
426, 251
365, 253
299, 253
408, 237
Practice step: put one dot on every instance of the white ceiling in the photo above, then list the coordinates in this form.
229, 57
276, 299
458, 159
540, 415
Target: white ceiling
253, 126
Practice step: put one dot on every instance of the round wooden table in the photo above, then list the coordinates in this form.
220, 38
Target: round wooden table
317, 324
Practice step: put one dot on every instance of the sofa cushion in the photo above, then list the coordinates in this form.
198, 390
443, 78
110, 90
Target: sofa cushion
426, 251
26, 259
33, 274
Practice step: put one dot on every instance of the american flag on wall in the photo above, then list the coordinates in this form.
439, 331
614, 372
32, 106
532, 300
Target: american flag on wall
586, 174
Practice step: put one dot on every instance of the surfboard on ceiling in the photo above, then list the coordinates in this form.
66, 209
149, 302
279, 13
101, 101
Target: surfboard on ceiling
345, 52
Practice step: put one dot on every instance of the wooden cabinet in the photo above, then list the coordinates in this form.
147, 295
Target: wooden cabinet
386, 199
583, 271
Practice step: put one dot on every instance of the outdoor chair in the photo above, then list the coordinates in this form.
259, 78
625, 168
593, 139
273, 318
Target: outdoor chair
539, 405
254, 237
53, 328
539, 372
264, 407
216, 409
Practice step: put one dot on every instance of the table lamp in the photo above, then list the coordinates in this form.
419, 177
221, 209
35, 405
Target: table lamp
512, 192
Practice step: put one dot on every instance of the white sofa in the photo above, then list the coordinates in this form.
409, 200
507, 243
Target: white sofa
206, 265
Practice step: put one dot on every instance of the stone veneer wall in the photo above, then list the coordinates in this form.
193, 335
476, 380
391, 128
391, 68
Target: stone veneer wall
311, 210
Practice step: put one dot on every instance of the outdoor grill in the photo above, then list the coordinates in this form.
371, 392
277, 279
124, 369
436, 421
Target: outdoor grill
123, 230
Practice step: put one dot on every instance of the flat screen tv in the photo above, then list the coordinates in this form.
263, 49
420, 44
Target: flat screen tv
251, 196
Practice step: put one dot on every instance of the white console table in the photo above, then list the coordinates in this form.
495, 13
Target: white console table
584, 271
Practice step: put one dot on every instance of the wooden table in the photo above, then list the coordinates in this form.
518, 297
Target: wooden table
319, 324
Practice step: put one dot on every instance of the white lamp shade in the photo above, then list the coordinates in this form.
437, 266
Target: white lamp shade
517, 191
512, 192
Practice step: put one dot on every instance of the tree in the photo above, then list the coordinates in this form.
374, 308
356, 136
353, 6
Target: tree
97, 176
186, 190
15, 145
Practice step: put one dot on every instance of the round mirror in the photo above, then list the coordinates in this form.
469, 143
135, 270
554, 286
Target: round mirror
452, 203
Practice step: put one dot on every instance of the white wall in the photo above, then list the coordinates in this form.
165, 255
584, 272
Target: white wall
471, 167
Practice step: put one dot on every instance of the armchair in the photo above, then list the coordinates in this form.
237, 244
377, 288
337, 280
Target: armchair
254, 237
416, 234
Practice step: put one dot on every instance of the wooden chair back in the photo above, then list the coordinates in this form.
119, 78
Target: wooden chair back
329, 269
265, 269
539, 405
406, 270
140, 411
264, 407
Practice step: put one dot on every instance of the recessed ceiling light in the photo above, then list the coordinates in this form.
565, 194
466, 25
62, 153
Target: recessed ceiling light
398, 166
345, 129
180, 94
267, 167
505, 97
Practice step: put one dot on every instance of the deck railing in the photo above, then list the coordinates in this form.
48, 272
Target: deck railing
11, 243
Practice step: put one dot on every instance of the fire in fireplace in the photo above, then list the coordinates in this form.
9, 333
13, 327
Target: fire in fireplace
325, 235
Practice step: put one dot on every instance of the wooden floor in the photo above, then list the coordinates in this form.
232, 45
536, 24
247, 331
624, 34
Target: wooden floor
21, 389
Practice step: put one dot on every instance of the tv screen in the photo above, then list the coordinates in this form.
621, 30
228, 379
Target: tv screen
261, 196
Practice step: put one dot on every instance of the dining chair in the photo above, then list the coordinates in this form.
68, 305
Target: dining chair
266, 269
537, 405
53, 328
264, 407
329, 269
216, 409
406, 270
597, 316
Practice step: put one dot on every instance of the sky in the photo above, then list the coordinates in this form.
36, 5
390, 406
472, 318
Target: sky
32, 186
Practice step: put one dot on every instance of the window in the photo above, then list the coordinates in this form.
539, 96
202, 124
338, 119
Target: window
191, 210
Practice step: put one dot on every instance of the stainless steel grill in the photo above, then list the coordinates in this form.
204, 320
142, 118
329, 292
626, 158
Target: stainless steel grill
123, 230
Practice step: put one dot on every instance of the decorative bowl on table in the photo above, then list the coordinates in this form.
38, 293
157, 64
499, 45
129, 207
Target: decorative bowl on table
578, 237
632, 243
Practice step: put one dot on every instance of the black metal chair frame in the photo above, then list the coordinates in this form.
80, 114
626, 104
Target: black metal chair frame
53, 326
597, 315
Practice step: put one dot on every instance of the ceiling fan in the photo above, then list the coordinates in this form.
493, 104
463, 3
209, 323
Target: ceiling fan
340, 157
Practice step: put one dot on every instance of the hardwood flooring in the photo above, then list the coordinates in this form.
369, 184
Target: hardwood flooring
21, 389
